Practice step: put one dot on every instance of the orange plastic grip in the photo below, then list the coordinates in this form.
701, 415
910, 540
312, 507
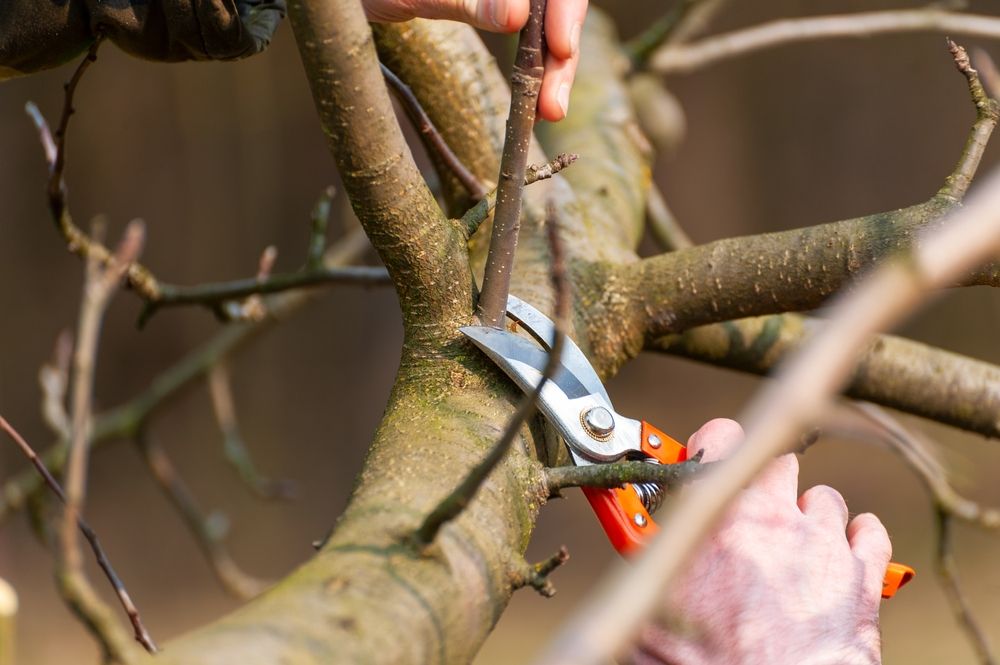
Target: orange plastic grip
896, 575
621, 513
627, 522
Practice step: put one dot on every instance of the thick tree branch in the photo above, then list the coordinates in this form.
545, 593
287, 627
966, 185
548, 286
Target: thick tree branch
526, 81
425, 256
689, 57
892, 371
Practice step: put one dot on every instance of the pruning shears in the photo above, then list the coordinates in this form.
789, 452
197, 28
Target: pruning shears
575, 402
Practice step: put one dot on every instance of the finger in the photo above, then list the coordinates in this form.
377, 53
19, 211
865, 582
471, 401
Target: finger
553, 98
716, 438
870, 543
826, 506
780, 479
492, 15
563, 24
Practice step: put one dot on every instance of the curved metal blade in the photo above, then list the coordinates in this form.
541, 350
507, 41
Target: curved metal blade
563, 399
543, 329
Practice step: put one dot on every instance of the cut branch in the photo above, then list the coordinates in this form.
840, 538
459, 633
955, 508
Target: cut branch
689, 57
526, 80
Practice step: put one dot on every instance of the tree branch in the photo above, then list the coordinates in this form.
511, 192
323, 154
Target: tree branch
622, 473
432, 137
689, 57
208, 531
525, 82
90, 607
892, 371
426, 257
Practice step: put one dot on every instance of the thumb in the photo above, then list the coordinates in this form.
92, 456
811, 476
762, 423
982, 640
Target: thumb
492, 15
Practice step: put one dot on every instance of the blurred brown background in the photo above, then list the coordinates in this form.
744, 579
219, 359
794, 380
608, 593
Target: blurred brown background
224, 159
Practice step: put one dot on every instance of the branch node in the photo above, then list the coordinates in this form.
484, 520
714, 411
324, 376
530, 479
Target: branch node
537, 575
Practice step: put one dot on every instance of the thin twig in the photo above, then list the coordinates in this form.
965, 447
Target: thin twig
525, 82
689, 57
453, 504
620, 473
234, 447
772, 421
479, 213
987, 114
208, 531
53, 378
681, 22
320, 220
662, 223
109, 630
99, 286
215, 294
422, 122
536, 575
947, 570
54, 147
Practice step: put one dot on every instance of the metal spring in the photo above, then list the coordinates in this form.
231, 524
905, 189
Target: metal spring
651, 494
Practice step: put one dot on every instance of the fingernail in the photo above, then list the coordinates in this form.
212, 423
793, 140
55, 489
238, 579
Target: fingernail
574, 39
563, 98
498, 13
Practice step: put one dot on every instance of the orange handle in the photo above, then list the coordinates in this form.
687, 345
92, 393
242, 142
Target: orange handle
628, 524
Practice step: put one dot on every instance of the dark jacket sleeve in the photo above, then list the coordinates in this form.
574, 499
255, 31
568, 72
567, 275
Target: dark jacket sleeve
38, 34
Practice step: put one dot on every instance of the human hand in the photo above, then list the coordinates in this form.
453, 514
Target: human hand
780, 581
563, 24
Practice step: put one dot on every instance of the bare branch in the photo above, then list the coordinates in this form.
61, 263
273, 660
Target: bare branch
479, 213
892, 371
216, 295
206, 529
99, 286
620, 473
685, 19
537, 575
453, 504
235, 449
947, 570
84, 600
426, 257
422, 122
125, 421
689, 57
53, 378
662, 223
317, 237
781, 410
526, 81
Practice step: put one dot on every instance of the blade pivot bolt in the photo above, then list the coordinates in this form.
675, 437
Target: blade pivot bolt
598, 422
654, 441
